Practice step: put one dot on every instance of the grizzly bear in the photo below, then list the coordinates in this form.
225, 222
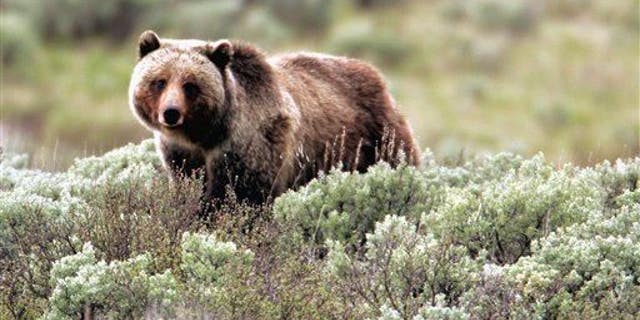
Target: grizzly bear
259, 125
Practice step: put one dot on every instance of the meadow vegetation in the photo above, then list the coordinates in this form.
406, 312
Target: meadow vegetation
482, 75
488, 237
467, 235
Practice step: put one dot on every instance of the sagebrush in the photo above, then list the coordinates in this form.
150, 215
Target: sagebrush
491, 237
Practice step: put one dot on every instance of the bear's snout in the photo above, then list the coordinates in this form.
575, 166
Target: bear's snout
171, 117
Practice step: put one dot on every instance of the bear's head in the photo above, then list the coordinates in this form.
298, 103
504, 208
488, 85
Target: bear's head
179, 88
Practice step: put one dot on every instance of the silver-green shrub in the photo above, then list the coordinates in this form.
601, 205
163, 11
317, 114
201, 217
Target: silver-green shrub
588, 270
119, 289
508, 223
343, 206
505, 210
119, 201
404, 268
494, 236
211, 268
131, 289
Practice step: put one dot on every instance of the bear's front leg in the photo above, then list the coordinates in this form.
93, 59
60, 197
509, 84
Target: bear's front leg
183, 162
228, 171
180, 161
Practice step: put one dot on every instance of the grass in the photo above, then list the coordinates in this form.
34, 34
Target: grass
71, 104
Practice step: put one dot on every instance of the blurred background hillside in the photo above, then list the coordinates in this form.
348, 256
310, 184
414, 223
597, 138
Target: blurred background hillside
558, 76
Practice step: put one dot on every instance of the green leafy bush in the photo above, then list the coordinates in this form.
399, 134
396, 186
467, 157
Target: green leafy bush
190, 17
379, 3
20, 42
496, 236
383, 47
515, 16
310, 16
64, 19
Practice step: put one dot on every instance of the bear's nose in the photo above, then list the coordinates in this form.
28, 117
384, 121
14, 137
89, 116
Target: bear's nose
171, 117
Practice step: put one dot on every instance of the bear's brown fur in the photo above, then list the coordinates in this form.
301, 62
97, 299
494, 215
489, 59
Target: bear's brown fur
263, 124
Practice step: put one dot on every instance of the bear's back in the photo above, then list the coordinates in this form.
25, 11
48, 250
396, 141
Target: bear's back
339, 95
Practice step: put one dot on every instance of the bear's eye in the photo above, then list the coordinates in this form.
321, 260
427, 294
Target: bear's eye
158, 85
191, 90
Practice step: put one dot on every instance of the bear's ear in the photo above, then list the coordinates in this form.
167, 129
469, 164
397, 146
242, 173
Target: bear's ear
148, 42
219, 52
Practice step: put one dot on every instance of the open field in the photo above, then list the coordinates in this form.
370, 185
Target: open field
559, 77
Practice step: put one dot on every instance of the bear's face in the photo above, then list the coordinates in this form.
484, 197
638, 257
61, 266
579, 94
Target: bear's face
178, 88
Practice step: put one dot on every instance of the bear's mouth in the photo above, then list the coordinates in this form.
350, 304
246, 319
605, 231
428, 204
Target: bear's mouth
171, 128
